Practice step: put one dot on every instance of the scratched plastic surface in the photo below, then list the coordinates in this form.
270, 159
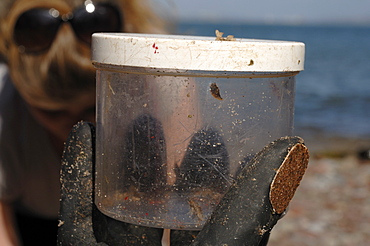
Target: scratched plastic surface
170, 143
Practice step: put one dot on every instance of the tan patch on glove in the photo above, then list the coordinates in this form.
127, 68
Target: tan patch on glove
288, 177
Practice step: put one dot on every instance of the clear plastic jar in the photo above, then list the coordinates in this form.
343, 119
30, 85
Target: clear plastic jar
173, 132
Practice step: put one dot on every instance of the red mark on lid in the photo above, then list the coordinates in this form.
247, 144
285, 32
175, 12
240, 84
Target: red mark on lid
155, 48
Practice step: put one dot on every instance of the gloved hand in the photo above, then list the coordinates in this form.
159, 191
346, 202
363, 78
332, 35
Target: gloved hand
245, 216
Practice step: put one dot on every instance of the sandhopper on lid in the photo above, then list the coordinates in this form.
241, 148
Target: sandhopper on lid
197, 53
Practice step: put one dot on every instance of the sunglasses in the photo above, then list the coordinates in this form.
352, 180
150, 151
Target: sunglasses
35, 29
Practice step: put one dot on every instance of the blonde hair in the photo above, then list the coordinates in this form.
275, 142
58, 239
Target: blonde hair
63, 75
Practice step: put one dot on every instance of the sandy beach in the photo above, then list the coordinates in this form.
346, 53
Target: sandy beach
332, 204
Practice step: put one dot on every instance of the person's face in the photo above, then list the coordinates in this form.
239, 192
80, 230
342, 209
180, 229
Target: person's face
58, 68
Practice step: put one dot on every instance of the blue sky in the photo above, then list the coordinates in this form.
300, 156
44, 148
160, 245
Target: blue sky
276, 11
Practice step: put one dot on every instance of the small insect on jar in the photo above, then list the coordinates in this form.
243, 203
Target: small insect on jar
179, 116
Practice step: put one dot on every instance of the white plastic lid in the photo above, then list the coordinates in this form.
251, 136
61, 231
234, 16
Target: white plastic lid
197, 53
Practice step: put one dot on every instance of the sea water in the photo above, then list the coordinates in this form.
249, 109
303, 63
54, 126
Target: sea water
333, 93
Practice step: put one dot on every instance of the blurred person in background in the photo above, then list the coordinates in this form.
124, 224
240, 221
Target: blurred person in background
47, 84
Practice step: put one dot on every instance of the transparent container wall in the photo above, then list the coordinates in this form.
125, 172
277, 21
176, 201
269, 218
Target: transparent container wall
169, 146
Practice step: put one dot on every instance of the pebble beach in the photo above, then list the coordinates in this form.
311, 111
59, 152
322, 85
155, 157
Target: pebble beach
332, 205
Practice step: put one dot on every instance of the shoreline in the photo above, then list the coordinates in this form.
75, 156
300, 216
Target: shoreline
333, 146
331, 205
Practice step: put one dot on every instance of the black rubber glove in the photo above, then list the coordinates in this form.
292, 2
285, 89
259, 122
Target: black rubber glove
245, 215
